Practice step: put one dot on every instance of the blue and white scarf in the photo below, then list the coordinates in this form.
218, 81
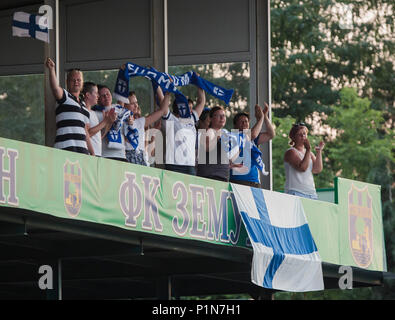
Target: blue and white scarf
121, 91
133, 137
162, 79
244, 145
229, 143
114, 136
256, 159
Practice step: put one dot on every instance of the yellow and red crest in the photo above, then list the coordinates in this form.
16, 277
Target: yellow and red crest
72, 182
360, 225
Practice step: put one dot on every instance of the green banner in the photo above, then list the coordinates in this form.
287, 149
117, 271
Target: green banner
74, 186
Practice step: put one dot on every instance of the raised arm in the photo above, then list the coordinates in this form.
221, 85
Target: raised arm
269, 133
166, 105
256, 129
163, 109
57, 91
159, 95
317, 159
201, 101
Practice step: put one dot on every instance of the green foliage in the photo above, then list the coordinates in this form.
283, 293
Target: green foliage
358, 146
313, 59
22, 108
298, 54
362, 150
313, 56
279, 146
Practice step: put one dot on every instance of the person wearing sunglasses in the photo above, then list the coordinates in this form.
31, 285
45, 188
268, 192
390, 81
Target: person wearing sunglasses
300, 163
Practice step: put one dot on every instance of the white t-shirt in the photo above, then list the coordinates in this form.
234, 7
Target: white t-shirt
299, 181
136, 133
95, 139
106, 151
180, 136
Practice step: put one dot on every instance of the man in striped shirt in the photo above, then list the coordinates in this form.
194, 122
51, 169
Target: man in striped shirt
71, 115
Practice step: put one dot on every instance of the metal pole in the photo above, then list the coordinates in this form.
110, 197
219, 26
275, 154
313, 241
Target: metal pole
263, 77
51, 50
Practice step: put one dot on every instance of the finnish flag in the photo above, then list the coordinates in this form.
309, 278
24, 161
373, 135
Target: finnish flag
285, 255
30, 25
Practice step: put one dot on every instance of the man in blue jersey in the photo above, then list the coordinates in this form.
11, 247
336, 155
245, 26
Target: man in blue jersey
249, 175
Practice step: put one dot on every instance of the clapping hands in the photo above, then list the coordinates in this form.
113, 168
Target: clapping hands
320, 147
110, 116
261, 112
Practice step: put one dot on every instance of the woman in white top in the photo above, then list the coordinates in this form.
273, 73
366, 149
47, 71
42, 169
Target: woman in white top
300, 163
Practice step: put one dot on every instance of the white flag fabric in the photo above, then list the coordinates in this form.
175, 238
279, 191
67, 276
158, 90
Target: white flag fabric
285, 255
30, 25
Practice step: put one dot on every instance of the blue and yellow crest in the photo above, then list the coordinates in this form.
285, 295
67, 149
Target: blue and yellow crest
72, 182
360, 225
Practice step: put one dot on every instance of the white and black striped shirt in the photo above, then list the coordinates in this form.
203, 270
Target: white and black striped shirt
71, 117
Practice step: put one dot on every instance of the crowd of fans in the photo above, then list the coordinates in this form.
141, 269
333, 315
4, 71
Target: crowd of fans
88, 122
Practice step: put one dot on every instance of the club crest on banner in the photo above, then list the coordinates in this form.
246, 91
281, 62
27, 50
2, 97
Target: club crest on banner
360, 225
72, 183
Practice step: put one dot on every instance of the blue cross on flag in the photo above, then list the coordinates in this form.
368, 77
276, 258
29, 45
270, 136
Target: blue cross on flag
133, 137
121, 91
183, 106
183, 110
30, 25
285, 255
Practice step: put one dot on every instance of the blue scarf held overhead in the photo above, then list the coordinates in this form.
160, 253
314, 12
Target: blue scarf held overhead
162, 80
121, 91
216, 91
